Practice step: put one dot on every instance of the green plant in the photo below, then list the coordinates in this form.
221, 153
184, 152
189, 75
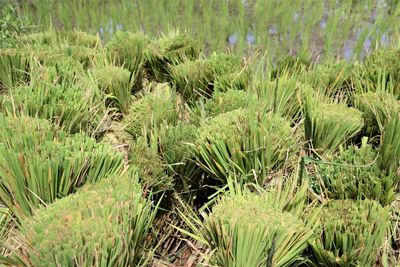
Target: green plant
154, 108
377, 108
152, 170
74, 107
193, 79
14, 68
353, 173
351, 233
39, 164
389, 149
248, 229
103, 224
229, 71
327, 125
80, 38
169, 50
117, 83
246, 143
383, 65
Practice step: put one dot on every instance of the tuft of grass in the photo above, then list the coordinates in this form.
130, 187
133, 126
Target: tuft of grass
389, 148
81, 38
14, 68
104, 224
378, 108
327, 126
117, 84
353, 173
39, 164
169, 50
241, 142
351, 233
70, 106
159, 106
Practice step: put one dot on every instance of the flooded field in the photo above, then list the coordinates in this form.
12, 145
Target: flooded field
332, 28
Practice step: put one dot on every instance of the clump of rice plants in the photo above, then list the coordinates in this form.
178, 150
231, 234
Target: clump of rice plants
200, 78
84, 55
39, 164
14, 68
247, 229
117, 83
281, 95
193, 79
103, 224
351, 233
327, 125
229, 72
238, 141
154, 108
69, 106
82, 39
152, 170
354, 174
377, 108
166, 51
383, 66
389, 149
126, 50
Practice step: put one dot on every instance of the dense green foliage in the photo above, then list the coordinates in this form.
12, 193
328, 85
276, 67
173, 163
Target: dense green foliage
351, 233
191, 148
111, 231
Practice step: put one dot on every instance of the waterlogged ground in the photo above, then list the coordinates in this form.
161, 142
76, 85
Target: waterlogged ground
346, 29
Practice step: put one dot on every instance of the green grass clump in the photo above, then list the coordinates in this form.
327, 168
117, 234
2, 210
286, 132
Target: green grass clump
351, 233
354, 174
229, 71
84, 55
152, 170
193, 79
378, 108
116, 83
246, 230
239, 141
389, 148
14, 68
73, 107
103, 224
126, 50
327, 126
384, 66
229, 101
80, 38
167, 51
154, 108
39, 164
281, 95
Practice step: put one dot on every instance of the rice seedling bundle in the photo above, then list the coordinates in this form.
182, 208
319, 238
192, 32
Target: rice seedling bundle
126, 50
82, 39
378, 108
238, 141
246, 230
152, 169
353, 173
327, 126
384, 66
103, 224
154, 108
166, 51
69, 106
389, 149
39, 164
14, 68
116, 82
351, 233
